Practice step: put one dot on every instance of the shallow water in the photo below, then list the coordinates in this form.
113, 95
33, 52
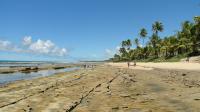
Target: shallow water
11, 77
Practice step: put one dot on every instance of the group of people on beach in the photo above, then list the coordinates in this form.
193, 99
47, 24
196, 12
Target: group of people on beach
88, 66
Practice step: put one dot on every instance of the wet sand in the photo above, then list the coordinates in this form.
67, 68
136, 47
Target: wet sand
106, 88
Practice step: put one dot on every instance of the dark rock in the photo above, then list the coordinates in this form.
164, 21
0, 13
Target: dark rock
184, 74
125, 107
197, 99
115, 108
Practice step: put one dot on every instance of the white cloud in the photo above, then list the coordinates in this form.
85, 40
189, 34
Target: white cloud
27, 40
45, 47
59, 51
41, 46
5, 45
8, 46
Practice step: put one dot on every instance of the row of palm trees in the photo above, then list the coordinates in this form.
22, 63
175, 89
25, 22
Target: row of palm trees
186, 41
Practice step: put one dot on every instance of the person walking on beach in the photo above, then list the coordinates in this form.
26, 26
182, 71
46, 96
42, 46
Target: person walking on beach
188, 59
84, 66
128, 64
134, 63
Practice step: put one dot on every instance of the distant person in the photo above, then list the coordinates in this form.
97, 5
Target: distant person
128, 64
134, 63
188, 59
84, 66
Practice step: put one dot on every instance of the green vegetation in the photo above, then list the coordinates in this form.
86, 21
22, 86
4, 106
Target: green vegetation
185, 42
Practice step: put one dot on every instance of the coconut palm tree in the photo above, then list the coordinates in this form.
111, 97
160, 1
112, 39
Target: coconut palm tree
123, 44
154, 41
127, 44
136, 41
143, 34
157, 27
186, 41
196, 35
173, 44
124, 50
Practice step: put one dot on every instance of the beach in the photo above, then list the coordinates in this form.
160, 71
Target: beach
100, 56
161, 65
107, 88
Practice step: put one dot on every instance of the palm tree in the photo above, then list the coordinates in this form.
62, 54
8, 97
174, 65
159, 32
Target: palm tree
197, 24
186, 41
143, 34
137, 42
123, 43
123, 52
157, 27
166, 45
154, 41
196, 35
184, 36
173, 44
127, 44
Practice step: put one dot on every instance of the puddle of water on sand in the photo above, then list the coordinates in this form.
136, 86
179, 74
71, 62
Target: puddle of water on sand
156, 87
178, 105
11, 77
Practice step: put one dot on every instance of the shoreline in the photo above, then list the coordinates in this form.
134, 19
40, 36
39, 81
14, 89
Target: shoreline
35, 68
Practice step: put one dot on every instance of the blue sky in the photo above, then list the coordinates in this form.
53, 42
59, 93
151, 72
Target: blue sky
73, 30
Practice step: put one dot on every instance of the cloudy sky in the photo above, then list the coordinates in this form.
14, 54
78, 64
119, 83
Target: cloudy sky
71, 30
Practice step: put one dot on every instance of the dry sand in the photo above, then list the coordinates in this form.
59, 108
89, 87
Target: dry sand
106, 89
163, 65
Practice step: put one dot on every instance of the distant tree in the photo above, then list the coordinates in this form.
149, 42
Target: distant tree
157, 27
185, 41
143, 34
196, 35
137, 42
127, 44
116, 57
154, 40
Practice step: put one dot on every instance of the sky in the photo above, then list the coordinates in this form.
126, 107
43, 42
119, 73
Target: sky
74, 30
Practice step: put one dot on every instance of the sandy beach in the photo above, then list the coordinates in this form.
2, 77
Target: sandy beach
163, 65
100, 56
106, 88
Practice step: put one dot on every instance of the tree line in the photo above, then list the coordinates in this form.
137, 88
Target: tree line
185, 42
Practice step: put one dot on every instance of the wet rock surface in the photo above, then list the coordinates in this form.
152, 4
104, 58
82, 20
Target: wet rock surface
105, 89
